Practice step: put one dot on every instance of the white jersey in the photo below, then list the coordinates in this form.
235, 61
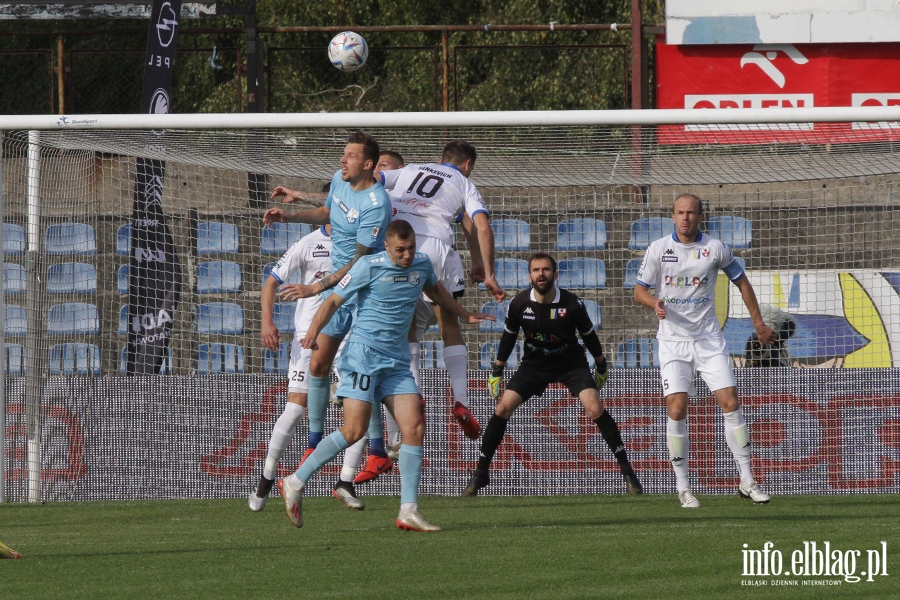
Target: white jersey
431, 197
312, 255
684, 276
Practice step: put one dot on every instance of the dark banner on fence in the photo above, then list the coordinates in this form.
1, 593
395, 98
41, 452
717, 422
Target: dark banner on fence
154, 286
813, 432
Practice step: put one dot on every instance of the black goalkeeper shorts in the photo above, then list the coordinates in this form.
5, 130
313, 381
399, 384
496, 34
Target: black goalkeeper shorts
533, 377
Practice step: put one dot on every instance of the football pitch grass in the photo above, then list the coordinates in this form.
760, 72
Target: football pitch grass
528, 547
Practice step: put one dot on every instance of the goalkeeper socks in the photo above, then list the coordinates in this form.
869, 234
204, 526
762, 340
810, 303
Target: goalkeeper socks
411, 461
415, 360
456, 360
738, 440
376, 432
610, 432
352, 458
327, 449
282, 433
490, 441
679, 447
317, 402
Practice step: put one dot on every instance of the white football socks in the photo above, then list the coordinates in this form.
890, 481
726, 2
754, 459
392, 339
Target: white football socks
456, 360
282, 433
352, 458
738, 439
679, 447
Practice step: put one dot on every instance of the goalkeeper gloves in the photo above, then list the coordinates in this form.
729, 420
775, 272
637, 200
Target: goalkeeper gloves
494, 380
601, 372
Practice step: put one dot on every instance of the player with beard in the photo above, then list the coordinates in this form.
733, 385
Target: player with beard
550, 318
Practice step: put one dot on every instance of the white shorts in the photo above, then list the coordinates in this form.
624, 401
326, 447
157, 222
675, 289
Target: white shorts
298, 370
680, 361
449, 270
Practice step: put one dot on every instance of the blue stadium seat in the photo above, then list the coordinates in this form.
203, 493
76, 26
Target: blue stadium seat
278, 362
582, 274
512, 235
512, 274
283, 315
123, 319
72, 278
218, 277
497, 309
15, 320
432, 355
122, 279
638, 353
164, 369
581, 234
73, 318
220, 318
296, 277
74, 359
13, 278
15, 359
646, 231
631, 271
215, 359
13, 239
70, 238
123, 239
734, 232
217, 238
594, 312
278, 237
489, 353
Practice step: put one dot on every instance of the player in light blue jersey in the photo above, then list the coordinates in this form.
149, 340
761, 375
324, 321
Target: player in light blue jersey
359, 211
374, 365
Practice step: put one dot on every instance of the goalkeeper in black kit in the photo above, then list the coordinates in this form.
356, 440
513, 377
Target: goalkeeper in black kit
550, 318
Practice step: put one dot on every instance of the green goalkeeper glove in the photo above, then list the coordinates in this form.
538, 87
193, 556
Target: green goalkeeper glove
601, 372
494, 380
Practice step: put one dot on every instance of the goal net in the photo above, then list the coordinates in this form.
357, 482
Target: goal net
808, 208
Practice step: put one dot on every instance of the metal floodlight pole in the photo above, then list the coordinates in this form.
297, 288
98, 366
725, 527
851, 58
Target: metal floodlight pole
33, 387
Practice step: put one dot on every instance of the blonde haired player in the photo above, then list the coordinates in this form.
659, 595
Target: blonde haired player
683, 268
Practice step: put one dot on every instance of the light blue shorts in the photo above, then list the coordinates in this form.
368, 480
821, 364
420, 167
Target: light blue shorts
371, 376
340, 323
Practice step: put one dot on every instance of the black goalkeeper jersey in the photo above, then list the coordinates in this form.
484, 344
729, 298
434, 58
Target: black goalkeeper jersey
550, 330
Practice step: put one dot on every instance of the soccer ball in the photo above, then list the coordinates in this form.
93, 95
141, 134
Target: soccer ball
348, 51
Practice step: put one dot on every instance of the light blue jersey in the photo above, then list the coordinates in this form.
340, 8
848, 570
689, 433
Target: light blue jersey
385, 296
356, 217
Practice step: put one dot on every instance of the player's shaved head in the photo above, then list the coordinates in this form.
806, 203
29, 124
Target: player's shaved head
698, 203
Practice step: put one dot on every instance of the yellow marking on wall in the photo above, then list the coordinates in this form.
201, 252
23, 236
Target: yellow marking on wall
862, 315
778, 295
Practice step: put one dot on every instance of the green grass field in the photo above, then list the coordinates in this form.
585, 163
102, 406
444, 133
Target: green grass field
557, 547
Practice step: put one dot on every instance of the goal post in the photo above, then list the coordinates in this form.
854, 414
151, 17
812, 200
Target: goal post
803, 196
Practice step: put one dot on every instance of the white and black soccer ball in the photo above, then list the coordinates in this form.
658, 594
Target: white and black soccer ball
348, 51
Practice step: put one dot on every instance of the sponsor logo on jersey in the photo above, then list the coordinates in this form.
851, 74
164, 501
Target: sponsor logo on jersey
671, 281
319, 274
669, 256
320, 253
693, 301
528, 310
375, 231
320, 247
401, 278
345, 281
374, 198
414, 277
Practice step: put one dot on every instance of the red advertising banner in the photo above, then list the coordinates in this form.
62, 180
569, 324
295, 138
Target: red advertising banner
778, 76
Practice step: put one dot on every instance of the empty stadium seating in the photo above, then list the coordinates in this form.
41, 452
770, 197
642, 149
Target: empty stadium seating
123, 320
488, 355
512, 273
13, 278
296, 276
432, 355
646, 231
497, 309
631, 271
122, 279
581, 234
15, 359
13, 239
214, 237
164, 369
735, 232
74, 359
218, 277
581, 273
15, 321
72, 278
220, 318
637, 353
123, 239
70, 238
283, 315
594, 312
73, 318
216, 359
278, 237
511, 235
278, 362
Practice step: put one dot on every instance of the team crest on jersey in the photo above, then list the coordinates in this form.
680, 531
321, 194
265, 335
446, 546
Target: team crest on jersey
669, 256
345, 281
414, 277
375, 231
557, 313
352, 215
705, 252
